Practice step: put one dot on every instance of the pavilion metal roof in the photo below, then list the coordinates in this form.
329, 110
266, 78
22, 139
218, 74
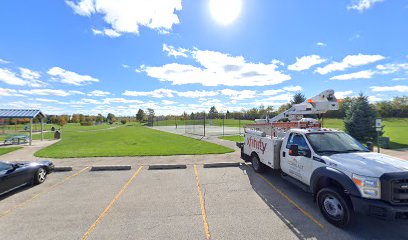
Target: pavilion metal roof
20, 113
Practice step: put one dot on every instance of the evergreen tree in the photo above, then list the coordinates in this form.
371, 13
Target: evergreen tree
298, 98
213, 113
140, 115
360, 119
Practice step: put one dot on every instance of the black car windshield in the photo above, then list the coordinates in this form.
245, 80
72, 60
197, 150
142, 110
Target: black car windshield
334, 142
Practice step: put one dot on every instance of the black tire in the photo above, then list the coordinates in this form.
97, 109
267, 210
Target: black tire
335, 206
40, 176
256, 164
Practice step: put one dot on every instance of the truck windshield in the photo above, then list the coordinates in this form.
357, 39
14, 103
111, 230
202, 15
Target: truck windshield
334, 142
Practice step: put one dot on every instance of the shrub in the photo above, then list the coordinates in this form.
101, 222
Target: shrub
87, 123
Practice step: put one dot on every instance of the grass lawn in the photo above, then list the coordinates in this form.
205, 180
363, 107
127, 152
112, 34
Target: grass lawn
235, 138
394, 128
4, 150
129, 140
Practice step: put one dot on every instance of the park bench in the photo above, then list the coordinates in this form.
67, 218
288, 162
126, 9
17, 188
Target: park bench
18, 139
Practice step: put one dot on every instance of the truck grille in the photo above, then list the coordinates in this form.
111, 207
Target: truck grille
399, 191
394, 188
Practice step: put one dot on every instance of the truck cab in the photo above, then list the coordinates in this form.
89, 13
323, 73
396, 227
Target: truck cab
342, 175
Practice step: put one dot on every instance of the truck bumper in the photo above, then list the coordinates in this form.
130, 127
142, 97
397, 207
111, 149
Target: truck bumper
379, 209
244, 157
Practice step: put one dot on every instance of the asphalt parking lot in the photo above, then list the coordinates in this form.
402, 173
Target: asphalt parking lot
190, 203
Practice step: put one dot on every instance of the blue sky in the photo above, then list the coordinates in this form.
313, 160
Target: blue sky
100, 56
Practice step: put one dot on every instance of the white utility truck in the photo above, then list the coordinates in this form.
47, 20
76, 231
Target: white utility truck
342, 175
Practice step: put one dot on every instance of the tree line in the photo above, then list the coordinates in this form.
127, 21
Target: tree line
397, 107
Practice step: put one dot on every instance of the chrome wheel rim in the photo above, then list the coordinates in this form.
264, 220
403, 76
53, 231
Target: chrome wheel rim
333, 207
41, 175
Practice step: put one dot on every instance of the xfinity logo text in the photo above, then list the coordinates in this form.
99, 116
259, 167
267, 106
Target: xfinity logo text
257, 144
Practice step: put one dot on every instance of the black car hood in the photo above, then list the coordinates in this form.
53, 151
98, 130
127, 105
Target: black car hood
44, 163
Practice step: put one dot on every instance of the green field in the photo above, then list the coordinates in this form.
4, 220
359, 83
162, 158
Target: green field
394, 128
129, 140
5, 150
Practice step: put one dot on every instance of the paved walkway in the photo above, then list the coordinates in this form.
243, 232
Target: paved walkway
27, 152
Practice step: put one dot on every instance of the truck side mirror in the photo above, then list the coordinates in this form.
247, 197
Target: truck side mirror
294, 150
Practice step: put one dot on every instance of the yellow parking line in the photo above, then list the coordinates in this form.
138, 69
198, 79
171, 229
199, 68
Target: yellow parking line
92, 227
42, 192
206, 229
290, 200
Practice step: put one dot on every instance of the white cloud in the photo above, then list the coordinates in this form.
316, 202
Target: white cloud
293, 88
341, 95
374, 99
238, 95
306, 62
218, 69
399, 79
126, 16
197, 94
47, 100
397, 88
6, 92
271, 92
98, 93
281, 97
321, 44
365, 74
45, 92
2, 61
106, 32
107, 101
90, 101
348, 62
168, 102
69, 77
11, 78
172, 51
29, 74
361, 5
125, 66
391, 68
158, 93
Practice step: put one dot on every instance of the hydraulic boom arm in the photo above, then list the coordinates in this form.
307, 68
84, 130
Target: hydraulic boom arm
325, 101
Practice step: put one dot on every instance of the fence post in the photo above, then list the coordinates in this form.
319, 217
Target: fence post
204, 124
223, 122
239, 124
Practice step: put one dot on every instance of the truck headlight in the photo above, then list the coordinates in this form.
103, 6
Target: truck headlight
369, 187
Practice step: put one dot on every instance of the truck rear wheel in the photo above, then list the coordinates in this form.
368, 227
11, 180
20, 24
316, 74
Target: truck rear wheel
257, 165
335, 206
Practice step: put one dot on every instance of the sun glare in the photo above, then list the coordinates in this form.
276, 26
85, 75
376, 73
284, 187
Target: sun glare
225, 11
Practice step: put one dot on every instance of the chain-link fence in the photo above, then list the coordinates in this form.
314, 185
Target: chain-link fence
203, 124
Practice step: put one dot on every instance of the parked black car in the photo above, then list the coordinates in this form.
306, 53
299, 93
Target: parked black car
15, 175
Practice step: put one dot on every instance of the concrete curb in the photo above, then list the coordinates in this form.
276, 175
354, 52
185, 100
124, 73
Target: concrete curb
221, 164
111, 168
62, 169
167, 166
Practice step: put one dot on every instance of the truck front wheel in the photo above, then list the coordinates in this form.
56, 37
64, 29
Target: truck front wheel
335, 206
257, 164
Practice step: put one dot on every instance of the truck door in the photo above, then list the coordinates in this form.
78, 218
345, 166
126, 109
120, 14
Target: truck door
299, 167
